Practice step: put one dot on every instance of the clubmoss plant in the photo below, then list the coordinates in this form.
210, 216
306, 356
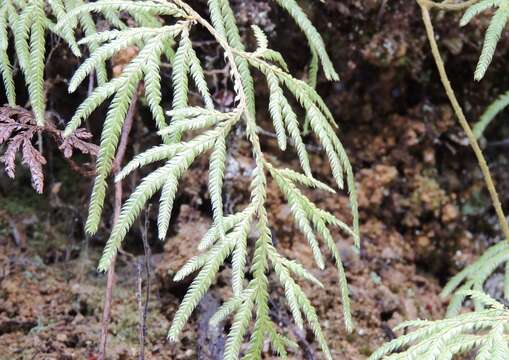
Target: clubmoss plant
171, 42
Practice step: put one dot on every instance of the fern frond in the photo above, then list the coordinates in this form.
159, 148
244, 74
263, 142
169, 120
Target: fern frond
109, 140
144, 65
198, 76
230, 306
37, 55
91, 103
300, 216
314, 39
224, 21
29, 23
5, 63
157, 153
228, 223
474, 275
227, 237
133, 206
276, 110
483, 330
199, 286
110, 8
239, 329
493, 33
168, 174
216, 176
261, 38
490, 113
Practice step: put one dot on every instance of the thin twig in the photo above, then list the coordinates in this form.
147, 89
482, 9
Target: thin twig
143, 308
425, 6
110, 283
446, 5
139, 300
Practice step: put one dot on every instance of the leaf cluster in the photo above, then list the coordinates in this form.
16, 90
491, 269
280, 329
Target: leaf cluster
189, 131
483, 331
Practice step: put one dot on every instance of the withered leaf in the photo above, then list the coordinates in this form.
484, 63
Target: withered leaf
18, 129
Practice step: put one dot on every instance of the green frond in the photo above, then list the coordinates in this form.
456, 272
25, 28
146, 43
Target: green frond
180, 82
261, 38
490, 113
224, 21
289, 286
153, 85
314, 39
230, 306
229, 222
29, 23
493, 33
89, 28
168, 176
91, 103
118, 40
5, 63
181, 123
280, 343
312, 80
198, 288
483, 331
292, 125
476, 9
157, 153
474, 275
343, 282
227, 237
194, 264
110, 9
276, 110
21, 34
37, 56
198, 76
216, 177
109, 140
67, 33
302, 179
168, 195
274, 57
239, 329
312, 318
316, 120
130, 210
239, 257
297, 269
497, 25
300, 216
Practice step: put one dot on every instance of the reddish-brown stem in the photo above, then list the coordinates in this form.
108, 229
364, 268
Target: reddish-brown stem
110, 282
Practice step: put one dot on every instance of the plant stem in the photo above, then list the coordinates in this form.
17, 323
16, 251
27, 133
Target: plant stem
110, 282
445, 5
425, 6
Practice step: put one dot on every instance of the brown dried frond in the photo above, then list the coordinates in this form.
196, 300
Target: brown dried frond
18, 128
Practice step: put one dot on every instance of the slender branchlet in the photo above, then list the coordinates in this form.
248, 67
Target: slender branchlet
188, 132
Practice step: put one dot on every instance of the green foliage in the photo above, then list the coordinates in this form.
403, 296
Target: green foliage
28, 22
195, 131
493, 33
474, 276
483, 332
490, 113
